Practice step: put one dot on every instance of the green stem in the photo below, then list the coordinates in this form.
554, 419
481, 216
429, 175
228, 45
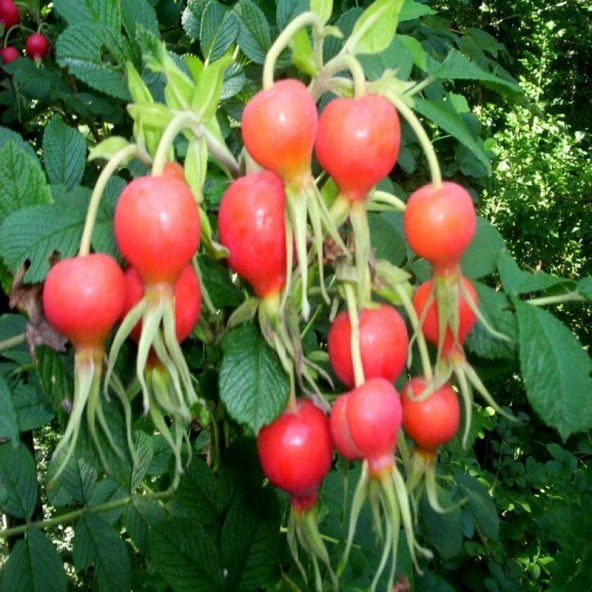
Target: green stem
219, 151
389, 199
354, 321
70, 516
302, 20
178, 123
419, 86
560, 298
95, 199
347, 62
12, 342
425, 142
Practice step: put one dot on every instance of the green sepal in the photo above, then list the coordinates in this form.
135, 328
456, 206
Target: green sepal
108, 148
209, 88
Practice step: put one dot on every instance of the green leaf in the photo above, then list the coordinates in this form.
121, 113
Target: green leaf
412, 10
443, 531
191, 19
105, 12
481, 258
18, 481
185, 556
145, 452
254, 37
106, 491
323, 8
584, 288
253, 385
444, 115
496, 308
139, 516
457, 67
8, 135
79, 478
556, 371
219, 30
345, 23
375, 29
199, 493
518, 281
482, 506
108, 148
287, 10
234, 81
32, 407
85, 50
414, 47
64, 153
138, 12
249, 541
55, 380
21, 179
34, 234
208, 89
34, 565
386, 233
9, 427
97, 543
222, 291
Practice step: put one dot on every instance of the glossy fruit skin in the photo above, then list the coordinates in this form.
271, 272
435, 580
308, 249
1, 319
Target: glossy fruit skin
187, 300
296, 451
83, 298
358, 142
9, 14
157, 227
439, 224
279, 126
340, 430
37, 46
9, 54
373, 415
251, 225
174, 169
432, 421
429, 327
383, 344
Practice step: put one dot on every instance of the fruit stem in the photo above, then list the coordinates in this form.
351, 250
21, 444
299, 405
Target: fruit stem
179, 122
219, 151
425, 142
558, 299
118, 159
347, 61
354, 321
12, 342
302, 20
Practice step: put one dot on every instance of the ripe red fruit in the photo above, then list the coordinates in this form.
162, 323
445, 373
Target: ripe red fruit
83, 297
383, 344
251, 225
9, 14
358, 143
157, 227
439, 224
295, 452
9, 54
187, 300
429, 327
432, 421
279, 127
373, 416
340, 432
37, 46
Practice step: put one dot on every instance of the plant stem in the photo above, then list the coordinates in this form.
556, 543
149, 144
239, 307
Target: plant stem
419, 86
12, 342
558, 299
425, 142
354, 320
70, 516
178, 123
219, 151
95, 199
302, 20
347, 62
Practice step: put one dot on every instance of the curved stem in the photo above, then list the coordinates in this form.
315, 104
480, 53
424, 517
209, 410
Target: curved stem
349, 62
558, 299
95, 199
12, 342
425, 142
419, 86
220, 152
354, 321
387, 198
302, 20
178, 123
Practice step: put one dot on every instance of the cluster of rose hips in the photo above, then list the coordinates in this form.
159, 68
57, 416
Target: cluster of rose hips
36, 44
356, 141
